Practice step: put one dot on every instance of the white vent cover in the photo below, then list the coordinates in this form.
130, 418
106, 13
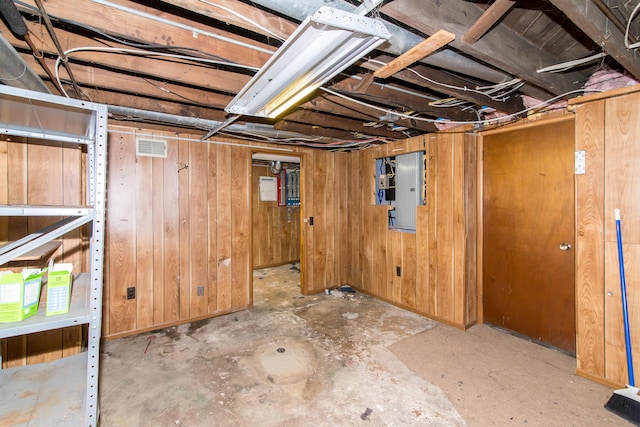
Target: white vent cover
151, 147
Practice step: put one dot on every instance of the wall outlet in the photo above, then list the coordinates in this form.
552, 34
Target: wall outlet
201, 290
131, 292
398, 271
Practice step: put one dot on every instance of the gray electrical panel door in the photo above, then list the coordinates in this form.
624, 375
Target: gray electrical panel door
408, 189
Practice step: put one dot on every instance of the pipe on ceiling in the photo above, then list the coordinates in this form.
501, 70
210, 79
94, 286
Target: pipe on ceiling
401, 40
16, 72
265, 131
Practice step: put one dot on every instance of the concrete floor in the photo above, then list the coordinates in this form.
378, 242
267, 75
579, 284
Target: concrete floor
290, 361
322, 360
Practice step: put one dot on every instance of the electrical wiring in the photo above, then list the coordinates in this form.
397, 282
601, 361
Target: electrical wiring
108, 36
626, 33
233, 12
460, 122
189, 28
141, 53
557, 68
495, 87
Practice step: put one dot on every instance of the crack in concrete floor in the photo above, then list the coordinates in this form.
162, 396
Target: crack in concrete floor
333, 369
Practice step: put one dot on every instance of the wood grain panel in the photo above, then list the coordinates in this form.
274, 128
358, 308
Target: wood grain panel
432, 233
615, 354
121, 226
470, 232
198, 229
409, 269
368, 216
444, 227
320, 224
212, 232
307, 230
184, 230
459, 230
395, 242
422, 259
621, 165
144, 242
590, 352
158, 236
354, 209
223, 263
241, 295
170, 188
381, 283
342, 243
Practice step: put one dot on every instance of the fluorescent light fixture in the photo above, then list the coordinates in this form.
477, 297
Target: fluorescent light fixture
324, 44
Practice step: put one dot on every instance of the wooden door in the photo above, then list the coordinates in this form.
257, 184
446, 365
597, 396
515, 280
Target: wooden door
528, 214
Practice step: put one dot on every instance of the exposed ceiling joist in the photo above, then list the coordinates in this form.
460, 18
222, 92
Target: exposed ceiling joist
234, 12
193, 56
448, 84
488, 19
416, 53
501, 47
596, 25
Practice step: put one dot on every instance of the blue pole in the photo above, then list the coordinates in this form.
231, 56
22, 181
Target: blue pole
625, 309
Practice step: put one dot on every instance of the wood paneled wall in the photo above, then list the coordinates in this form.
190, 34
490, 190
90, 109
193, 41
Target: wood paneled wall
42, 174
275, 229
325, 198
608, 131
438, 261
187, 226
178, 231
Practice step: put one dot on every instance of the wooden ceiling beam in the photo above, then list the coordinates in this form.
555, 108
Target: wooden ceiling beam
245, 16
303, 129
336, 105
335, 122
386, 94
455, 86
416, 53
176, 70
142, 87
120, 23
595, 24
487, 20
501, 47
157, 105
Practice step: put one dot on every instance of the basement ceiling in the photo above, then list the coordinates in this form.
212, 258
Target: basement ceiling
180, 62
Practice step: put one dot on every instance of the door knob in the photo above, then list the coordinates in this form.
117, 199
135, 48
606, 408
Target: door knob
565, 246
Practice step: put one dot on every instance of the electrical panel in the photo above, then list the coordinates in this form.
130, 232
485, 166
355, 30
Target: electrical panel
401, 184
408, 189
289, 187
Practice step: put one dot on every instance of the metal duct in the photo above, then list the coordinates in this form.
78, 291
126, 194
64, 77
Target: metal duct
401, 41
265, 131
15, 71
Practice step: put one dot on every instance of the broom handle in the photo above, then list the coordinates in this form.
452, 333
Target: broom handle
625, 309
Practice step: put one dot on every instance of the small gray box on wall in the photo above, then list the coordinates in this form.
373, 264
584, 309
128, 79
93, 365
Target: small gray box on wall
408, 189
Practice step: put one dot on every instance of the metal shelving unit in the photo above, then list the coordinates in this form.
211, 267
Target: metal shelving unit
65, 391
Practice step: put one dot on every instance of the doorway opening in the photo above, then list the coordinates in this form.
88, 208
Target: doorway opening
276, 212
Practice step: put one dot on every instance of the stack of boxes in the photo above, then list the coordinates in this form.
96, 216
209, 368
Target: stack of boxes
20, 292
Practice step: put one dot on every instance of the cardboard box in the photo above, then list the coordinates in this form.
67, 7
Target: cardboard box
59, 289
19, 294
